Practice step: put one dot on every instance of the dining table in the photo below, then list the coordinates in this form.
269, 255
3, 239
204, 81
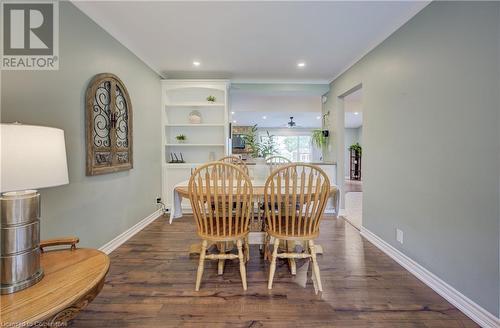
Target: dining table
257, 233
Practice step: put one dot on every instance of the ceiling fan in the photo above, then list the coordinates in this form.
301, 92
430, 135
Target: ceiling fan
291, 124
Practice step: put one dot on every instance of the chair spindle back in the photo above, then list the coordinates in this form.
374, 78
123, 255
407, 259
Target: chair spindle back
236, 161
276, 161
295, 197
221, 197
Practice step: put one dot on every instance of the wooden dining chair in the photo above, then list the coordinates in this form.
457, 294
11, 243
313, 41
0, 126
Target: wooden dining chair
221, 197
276, 161
236, 161
295, 197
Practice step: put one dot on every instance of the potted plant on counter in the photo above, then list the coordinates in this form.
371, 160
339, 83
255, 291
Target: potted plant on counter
261, 147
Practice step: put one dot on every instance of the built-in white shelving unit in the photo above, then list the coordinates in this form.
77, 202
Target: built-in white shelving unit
204, 140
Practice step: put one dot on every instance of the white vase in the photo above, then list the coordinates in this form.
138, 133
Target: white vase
194, 117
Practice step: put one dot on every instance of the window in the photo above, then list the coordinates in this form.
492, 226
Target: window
297, 148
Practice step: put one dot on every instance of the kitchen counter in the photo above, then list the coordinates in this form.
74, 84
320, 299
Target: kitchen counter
313, 163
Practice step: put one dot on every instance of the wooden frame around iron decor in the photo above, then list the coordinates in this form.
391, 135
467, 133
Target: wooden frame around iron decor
109, 138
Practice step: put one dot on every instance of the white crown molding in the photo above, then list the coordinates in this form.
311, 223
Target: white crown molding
127, 234
264, 81
474, 311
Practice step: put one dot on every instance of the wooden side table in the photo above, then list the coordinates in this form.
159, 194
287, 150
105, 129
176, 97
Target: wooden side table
73, 278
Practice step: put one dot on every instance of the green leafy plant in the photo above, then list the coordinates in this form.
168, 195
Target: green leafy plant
356, 148
211, 99
267, 146
318, 138
181, 137
259, 147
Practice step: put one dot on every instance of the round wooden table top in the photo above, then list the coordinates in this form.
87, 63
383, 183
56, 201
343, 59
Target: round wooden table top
72, 279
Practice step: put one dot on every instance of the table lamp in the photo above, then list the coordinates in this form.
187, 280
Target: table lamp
31, 157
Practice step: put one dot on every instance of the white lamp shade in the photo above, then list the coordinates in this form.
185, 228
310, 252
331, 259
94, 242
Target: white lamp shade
32, 157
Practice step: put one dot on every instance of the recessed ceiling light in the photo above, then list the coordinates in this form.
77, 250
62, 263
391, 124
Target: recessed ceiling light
234, 121
301, 64
356, 113
196, 63
264, 117
318, 117
232, 113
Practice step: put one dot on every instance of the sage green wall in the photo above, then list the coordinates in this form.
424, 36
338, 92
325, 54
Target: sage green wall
431, 142
99, 208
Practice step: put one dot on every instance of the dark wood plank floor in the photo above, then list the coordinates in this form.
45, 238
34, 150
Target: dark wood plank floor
151, 284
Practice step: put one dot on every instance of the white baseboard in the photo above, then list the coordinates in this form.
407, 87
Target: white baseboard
474, 311
126, 235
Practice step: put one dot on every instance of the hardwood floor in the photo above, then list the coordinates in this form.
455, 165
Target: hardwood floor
152, 279
352, 185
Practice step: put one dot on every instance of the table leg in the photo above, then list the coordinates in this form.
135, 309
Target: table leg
220, 267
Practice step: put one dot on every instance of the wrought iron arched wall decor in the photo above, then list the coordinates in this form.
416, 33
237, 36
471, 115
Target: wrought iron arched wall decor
109, 125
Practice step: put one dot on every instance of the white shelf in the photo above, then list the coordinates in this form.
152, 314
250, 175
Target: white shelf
195, 104
193, 125
206, 140
194, 145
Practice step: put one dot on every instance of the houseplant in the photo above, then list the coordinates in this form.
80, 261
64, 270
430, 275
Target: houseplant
181, 138
356, 148
260, 147
319, 139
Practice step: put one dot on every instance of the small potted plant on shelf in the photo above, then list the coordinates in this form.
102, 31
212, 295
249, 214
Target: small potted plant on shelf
181, 138
211, 99
356, 148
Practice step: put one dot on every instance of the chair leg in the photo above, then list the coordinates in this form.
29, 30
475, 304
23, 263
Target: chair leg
243, 270
199, 274
247, 249
315, 267
267, 239
221, 262
272, 269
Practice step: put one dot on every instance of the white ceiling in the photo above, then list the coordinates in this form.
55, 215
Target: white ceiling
277, 119
251, 41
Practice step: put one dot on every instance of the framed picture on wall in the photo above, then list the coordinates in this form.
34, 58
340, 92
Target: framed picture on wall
108, 126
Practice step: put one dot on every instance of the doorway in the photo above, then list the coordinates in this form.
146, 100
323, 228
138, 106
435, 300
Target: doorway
353, 157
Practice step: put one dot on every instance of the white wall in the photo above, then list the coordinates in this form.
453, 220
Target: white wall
432, 143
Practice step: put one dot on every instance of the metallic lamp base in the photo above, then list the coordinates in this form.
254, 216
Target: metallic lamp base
19, 240
9, 289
